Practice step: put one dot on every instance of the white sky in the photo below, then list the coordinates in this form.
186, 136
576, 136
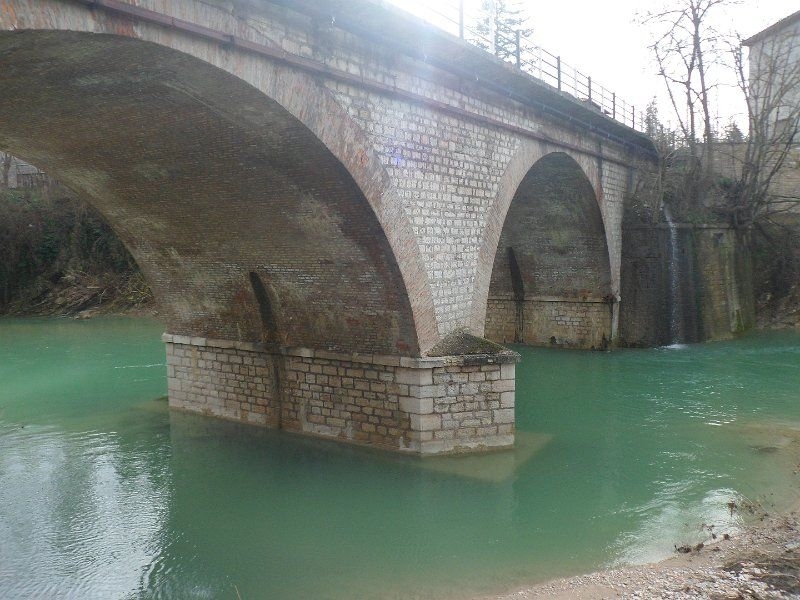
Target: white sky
602, 38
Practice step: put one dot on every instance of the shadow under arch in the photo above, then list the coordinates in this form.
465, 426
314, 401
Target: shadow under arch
207, 177
549, 279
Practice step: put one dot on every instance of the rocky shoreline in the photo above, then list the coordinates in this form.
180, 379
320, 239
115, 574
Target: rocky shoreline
763, 562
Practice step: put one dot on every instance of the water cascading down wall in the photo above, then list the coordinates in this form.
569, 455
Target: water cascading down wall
684, 283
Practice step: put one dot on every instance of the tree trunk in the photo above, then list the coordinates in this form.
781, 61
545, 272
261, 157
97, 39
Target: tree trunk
6, 167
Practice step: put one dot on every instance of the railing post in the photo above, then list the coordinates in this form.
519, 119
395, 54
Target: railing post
535, 58
558, 67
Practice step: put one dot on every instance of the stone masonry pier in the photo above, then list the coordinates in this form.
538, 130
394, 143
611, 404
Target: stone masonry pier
418, 405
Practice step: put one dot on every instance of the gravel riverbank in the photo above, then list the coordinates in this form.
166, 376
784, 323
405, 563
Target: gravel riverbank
760, 563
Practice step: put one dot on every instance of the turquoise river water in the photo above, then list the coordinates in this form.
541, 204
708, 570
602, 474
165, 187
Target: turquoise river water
105, 493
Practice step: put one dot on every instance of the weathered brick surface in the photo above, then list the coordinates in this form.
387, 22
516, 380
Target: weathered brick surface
595, 251
421, 406
551, 272
550, 322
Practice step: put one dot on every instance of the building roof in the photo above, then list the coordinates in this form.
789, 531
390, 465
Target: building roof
785, 22
23, 168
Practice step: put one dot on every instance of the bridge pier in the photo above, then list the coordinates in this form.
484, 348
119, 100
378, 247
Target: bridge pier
423, 406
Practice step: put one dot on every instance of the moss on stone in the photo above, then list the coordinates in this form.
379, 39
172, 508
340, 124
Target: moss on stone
462, 343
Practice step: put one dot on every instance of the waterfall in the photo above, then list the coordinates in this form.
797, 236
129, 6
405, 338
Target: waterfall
675, 306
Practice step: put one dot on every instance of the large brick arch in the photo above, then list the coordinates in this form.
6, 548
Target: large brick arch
219, 173
548, 210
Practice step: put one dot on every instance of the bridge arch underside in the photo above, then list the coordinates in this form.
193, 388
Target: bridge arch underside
551, 276
243, 222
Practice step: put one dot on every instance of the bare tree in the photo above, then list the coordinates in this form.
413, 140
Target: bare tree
685, 51
5, 168
772, 91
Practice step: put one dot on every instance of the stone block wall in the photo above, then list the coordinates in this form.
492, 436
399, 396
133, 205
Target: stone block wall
471, 407
232, 380
715, 289
644, 309
415, 405
725, 285
550, 322
350, 398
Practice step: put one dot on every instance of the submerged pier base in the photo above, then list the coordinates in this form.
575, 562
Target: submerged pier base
425, 406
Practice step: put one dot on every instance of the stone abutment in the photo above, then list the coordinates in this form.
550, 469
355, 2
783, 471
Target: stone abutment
714, 287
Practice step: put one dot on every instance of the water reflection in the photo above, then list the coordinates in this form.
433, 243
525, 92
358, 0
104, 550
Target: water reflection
83, 512
319, 518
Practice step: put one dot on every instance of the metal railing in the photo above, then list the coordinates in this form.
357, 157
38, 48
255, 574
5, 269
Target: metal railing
514, 48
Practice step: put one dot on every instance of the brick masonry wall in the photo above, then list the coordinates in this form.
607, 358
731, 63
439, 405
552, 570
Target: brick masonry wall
444, 171
232, 182
448, 171
550, 322
224, 379
616, 183
449, 180
554, 230
420, 406
644, 310
402, 191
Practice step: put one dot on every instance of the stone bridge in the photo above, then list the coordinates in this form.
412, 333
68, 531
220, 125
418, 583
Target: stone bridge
333, 202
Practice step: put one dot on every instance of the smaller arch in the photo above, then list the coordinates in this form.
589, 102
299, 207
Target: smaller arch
549, 277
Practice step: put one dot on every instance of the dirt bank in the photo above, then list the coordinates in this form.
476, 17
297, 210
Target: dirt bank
782, 313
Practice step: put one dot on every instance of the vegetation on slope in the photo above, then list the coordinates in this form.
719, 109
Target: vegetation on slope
58, 256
